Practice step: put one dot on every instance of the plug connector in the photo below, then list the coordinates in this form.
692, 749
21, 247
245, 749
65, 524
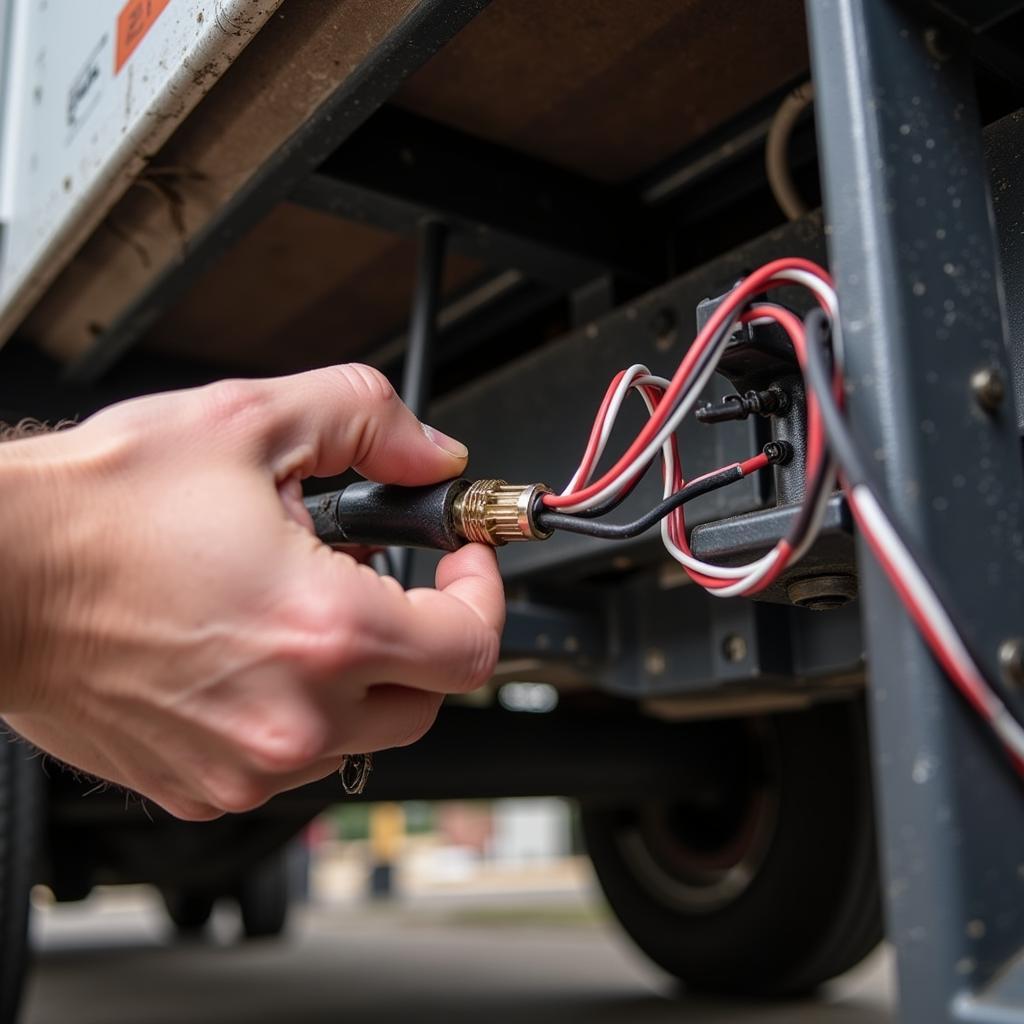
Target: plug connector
495, 512
440, 516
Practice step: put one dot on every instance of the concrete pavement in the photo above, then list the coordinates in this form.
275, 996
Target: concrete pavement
547, 958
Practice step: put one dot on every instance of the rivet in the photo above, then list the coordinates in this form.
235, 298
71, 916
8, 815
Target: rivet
734, 647
1011, 660
654, 662
989, 388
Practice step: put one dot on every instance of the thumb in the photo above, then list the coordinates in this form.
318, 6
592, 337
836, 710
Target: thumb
322, 422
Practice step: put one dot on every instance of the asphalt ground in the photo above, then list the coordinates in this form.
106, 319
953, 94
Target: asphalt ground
486, 959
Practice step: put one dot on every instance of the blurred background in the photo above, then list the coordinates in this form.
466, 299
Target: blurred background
447, 911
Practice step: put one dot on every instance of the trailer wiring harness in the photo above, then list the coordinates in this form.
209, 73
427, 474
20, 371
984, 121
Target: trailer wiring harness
831, 455
446, 515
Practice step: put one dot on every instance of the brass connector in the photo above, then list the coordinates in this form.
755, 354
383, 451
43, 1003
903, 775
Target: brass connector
495, 512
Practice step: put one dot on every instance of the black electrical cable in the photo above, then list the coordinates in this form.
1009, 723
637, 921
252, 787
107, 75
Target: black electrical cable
613, 503
851, 463
818, 332
854, 474
547, 519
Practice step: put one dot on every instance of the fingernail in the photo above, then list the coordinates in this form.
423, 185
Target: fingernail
447, 444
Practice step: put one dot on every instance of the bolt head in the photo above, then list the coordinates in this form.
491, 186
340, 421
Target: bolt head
654, 662
734, 648
822, 593
989, 388
1011, 660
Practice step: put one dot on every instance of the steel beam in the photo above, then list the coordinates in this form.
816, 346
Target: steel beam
504, 209
913, 251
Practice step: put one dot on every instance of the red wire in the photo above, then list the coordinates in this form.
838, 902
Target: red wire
971, 686
815, 456
760, 280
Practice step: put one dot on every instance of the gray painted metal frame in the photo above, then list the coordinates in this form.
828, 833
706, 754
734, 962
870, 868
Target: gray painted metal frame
913, 250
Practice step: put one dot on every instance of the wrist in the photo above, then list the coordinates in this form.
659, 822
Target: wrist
35, 576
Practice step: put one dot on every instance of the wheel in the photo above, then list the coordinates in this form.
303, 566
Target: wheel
771, 889
263, 897
189, 909
21, 803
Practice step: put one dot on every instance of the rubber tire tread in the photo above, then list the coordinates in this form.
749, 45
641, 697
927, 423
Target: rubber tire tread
189, 909
264, 895
20, 833
814, 908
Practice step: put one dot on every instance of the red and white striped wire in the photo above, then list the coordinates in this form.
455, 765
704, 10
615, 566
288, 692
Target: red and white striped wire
669, 402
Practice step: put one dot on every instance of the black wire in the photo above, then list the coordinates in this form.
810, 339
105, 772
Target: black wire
818, 332
613, 503
548, 519
853, 466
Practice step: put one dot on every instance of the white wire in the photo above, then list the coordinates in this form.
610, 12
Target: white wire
690, 394
686, 402
910, 575
903, 564
746, 576
625, 385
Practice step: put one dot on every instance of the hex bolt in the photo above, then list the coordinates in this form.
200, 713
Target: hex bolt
989, 388
734, 647
663, 324
1011, 660
654, 662
822, 593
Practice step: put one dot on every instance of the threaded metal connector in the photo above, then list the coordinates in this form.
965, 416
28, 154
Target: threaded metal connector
495, 512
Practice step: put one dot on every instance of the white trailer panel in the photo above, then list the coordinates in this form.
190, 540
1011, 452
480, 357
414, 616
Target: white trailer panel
89, 91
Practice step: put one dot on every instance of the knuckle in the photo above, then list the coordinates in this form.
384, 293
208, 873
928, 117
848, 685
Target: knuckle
190, 810
331, 639
236, 791
367, 384
228, 401
286, 747
326, 630
423, 718
372, 397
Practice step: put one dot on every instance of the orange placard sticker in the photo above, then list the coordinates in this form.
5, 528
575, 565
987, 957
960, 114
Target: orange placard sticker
134, 21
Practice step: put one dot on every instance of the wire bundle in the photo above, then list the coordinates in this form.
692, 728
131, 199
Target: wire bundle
670, 401
818, 347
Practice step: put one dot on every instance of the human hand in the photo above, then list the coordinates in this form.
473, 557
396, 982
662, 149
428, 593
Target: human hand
173, 625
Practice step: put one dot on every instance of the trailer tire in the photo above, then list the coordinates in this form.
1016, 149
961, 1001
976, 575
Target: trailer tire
189, 909
264, 895
769, 894
21, 806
